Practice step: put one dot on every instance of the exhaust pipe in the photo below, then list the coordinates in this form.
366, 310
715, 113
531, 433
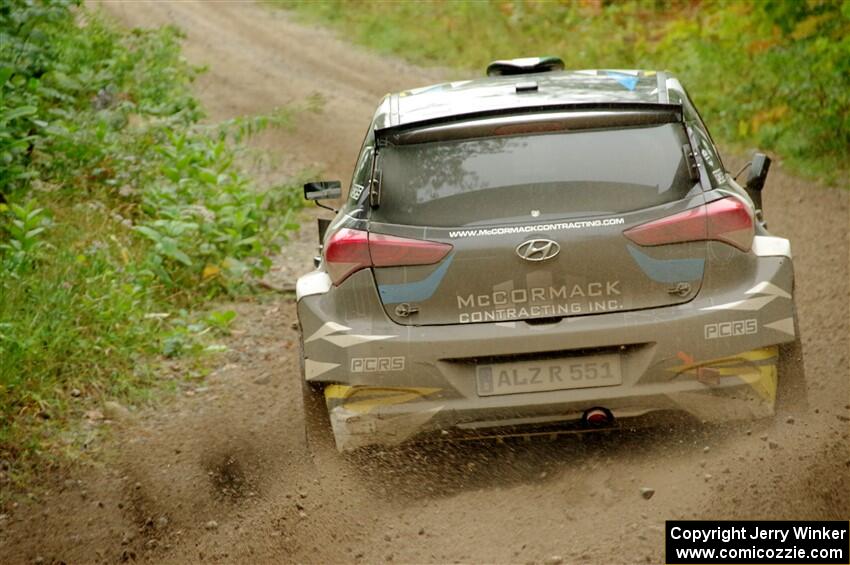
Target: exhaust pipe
597, 417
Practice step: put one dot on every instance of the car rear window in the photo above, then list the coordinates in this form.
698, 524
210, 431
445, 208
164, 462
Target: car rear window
555, 175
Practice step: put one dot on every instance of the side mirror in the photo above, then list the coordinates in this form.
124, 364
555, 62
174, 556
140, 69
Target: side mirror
323, 190
758, 174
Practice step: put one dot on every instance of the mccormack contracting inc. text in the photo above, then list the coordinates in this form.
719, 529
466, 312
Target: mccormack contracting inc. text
757, 542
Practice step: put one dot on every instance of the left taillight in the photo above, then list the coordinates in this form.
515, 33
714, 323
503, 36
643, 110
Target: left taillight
728, 220
348, 251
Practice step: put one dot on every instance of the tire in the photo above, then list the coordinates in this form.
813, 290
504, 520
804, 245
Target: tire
318, 435
791, 392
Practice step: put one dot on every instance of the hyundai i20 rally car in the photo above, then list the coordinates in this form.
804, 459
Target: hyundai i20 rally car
540, 251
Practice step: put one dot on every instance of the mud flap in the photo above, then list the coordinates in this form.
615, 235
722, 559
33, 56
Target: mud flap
358, 421
353, 431
721, 400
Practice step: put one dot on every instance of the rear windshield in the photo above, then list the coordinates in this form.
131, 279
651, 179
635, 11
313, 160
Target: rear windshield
556, 175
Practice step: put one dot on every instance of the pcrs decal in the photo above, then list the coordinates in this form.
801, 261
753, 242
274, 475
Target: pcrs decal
377, 364
356, 191
734, 328
719, 175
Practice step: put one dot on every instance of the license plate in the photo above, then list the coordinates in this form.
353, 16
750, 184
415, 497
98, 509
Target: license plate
546, 375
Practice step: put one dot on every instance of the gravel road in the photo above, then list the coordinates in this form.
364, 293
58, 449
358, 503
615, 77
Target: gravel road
220, 474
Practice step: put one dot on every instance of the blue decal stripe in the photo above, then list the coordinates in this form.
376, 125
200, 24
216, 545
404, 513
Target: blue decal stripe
668, 270
415, 291
628, 81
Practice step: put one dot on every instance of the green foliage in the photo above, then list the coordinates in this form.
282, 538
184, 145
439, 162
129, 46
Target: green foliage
120, 214
221, 320
201, 214
76, 320
24, 243
186, 333
773, 73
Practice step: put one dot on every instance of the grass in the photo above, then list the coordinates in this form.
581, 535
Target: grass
123, 219
772, 74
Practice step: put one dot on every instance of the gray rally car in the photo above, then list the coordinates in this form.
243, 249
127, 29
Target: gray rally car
542, 251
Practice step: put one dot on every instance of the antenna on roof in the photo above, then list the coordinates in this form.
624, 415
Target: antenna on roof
525, 65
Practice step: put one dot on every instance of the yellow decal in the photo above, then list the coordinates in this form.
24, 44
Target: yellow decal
363, 399
753, 367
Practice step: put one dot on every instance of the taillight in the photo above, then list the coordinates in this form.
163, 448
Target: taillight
391, 251
348, 251
728, 220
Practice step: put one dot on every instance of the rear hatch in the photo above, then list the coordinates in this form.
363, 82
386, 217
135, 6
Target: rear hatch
536, 224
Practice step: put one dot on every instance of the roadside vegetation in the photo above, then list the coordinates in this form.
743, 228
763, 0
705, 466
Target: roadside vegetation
773, 74
122, 216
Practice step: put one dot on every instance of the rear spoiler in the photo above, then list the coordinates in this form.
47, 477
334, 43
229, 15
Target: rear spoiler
533, 119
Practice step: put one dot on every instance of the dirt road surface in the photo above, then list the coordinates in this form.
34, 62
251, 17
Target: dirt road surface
221, 475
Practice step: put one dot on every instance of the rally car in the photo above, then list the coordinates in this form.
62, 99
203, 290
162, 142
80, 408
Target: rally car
543, 251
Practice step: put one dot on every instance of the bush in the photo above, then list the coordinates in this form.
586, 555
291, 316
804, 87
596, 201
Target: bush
774, 73
120, 213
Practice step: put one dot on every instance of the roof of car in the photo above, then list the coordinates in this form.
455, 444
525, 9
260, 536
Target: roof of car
505, 93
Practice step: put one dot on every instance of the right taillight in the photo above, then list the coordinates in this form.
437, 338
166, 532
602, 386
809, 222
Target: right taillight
728, 220
348, 251
731, 221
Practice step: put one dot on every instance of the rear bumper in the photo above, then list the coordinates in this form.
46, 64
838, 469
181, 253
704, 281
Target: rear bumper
365, 416
392, 382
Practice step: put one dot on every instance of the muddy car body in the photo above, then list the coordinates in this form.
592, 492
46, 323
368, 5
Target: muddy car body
543, 250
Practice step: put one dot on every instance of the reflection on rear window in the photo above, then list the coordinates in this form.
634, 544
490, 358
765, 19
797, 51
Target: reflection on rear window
559, 175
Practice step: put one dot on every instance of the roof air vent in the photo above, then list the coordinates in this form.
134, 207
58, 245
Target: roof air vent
524, 66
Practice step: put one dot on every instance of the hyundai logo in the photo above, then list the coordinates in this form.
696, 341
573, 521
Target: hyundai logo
538, 249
